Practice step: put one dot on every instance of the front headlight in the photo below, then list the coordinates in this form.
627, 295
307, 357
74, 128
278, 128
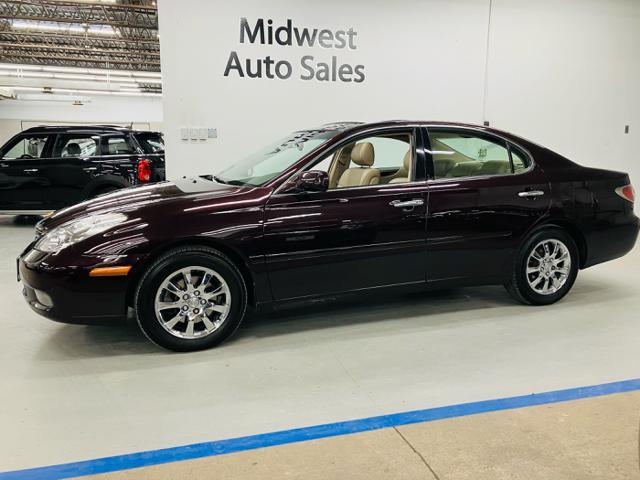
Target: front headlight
76, 230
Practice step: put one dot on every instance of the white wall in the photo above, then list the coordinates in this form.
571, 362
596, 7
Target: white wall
16, 115
415, 53
564, 74
567, 75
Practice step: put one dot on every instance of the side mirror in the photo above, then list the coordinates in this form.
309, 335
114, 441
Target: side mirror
309, 181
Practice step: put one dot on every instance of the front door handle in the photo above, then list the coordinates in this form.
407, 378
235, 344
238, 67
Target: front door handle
531, 193
407, 203
30, 170
90, 169
4, 165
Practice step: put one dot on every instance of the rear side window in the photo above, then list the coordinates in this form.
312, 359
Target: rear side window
26, 147
117, 145
150, 142
75, 146
519, 159
465, 154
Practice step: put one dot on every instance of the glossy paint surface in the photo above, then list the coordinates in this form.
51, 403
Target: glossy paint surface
302, 245
51, 183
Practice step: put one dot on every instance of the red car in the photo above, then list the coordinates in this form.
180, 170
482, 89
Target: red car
344, 208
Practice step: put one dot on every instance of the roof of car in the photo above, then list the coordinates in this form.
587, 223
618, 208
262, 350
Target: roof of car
83, 129
354, 127
390, 123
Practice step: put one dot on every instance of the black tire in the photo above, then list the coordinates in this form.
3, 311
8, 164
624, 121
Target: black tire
145, 294
519, 287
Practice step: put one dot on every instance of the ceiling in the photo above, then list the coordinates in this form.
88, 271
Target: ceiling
116, 35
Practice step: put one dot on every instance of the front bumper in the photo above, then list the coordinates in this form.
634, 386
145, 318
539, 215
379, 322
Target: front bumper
66, 293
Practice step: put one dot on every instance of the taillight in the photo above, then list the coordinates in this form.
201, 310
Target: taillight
626, 192
144, 170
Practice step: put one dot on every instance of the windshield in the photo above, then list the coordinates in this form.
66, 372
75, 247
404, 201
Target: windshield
268, 163
151, 142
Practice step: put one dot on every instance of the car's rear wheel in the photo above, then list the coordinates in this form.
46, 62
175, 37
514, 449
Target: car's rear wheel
192, 298
545, 267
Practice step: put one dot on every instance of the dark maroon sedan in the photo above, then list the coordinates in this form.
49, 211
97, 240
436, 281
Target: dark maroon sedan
343, 208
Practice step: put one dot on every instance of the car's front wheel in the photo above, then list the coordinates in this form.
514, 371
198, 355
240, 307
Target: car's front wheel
191, 298
545, 267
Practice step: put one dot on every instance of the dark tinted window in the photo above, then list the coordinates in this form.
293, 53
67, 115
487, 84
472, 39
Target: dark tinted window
117, 145
30, 146
76, 145
150, 142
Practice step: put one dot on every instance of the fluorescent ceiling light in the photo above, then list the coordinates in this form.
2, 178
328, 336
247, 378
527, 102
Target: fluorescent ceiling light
105, 92
89, 71
109, 80
127, 81
63, 27
49, 97
26, 89
76, 91
95, 71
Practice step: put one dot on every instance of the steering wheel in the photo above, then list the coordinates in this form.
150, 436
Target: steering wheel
25, 156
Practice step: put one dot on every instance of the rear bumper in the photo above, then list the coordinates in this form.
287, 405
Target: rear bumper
611, 242
68, 294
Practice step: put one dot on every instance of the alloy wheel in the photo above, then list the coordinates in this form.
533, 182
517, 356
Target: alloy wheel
192, 302
548, 266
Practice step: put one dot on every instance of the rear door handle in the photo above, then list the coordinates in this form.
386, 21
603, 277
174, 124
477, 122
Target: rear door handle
531, 193
30, 170
407, 203
90, 169
4, 165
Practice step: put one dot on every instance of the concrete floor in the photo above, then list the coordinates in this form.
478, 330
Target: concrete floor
71, 393
588, 439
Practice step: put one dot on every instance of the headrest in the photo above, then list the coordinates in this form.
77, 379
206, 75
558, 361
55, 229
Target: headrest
363, 154
73, 149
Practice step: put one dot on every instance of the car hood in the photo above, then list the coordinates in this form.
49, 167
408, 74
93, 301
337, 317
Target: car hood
181, 194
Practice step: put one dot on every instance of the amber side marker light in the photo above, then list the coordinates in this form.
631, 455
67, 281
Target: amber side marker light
110, 271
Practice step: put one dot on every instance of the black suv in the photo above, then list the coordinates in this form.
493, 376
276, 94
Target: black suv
47, 168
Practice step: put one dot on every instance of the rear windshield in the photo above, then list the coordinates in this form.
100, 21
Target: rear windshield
150, 142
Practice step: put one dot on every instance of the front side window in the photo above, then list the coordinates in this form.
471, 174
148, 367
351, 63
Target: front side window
465, 154
374, 160
270, 162
75, 146
26, 147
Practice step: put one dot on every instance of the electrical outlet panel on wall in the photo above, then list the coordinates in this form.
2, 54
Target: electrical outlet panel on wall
194, 133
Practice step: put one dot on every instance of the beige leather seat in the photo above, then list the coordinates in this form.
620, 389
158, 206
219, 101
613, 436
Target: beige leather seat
362, 154
442, 166
495, 167
404, 174
466, 169
340, 164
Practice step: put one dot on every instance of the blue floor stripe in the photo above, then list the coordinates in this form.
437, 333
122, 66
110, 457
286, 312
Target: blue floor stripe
220, 447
